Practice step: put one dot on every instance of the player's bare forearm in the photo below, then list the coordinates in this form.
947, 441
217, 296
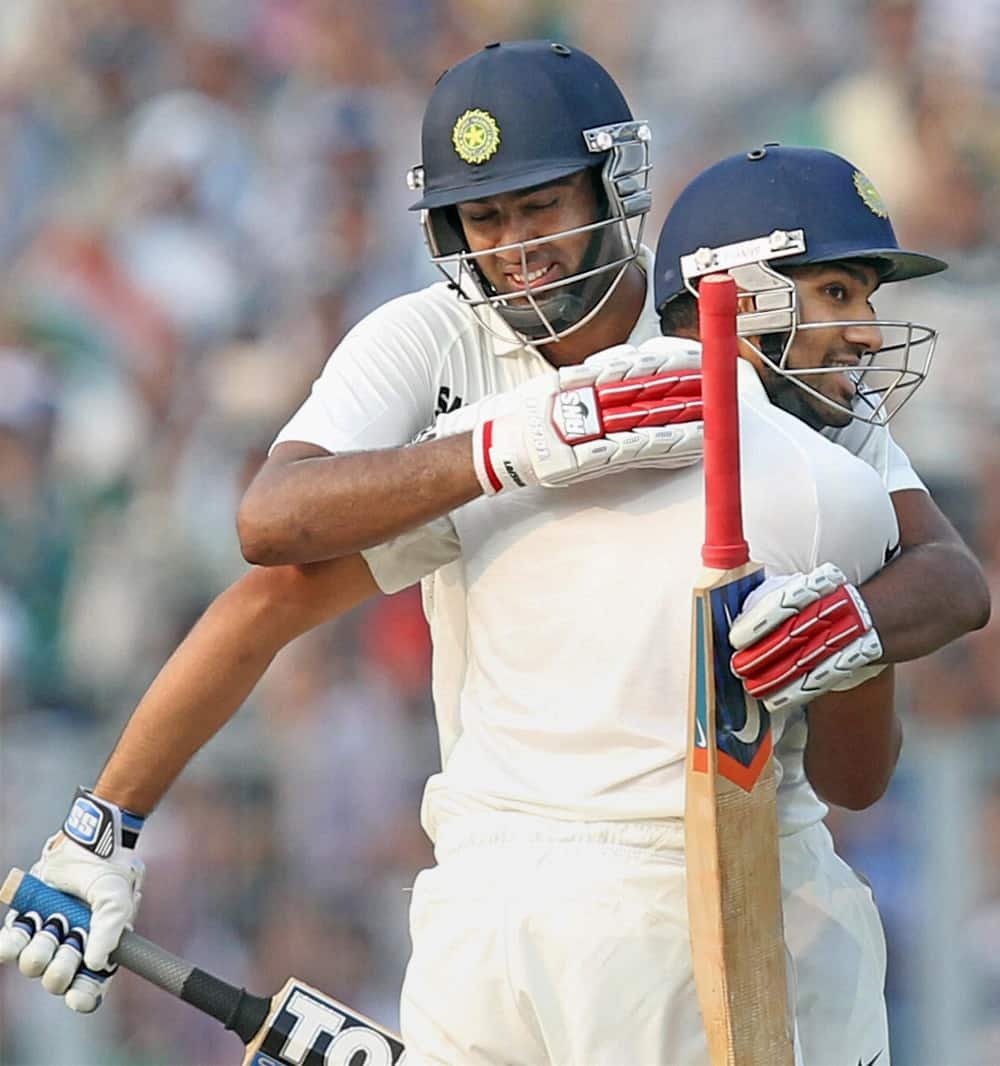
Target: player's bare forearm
306, 505
854, 742
216, 667
933, 592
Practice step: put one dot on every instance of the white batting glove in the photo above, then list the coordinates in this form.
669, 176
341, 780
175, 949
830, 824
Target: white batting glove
92, 859
621, 409
800, 636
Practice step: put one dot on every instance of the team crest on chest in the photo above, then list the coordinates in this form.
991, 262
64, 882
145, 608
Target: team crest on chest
476, 136
870, 195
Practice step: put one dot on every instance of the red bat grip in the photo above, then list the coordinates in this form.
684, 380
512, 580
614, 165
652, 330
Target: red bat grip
724, 547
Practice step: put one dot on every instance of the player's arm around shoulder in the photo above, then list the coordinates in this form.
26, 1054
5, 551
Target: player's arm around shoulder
622, 408
933, 591
853, 743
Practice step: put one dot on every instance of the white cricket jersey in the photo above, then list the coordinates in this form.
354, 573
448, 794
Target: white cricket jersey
560, 617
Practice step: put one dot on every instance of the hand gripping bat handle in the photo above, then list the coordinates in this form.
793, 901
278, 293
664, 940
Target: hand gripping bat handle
236, 1008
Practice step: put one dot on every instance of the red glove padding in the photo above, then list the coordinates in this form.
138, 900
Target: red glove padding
655, 400
810, 635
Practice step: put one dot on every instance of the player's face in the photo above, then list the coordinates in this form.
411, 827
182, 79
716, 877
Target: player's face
831, 292
525, 215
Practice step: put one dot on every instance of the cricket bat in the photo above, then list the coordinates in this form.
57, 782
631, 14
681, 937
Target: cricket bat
300, 1026
730, 820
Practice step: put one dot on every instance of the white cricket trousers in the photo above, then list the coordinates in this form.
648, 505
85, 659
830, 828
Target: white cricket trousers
835, 938
546, 943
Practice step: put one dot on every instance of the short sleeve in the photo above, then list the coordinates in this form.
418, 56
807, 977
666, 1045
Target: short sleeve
406, 559
377, 388
874, 445
900, 474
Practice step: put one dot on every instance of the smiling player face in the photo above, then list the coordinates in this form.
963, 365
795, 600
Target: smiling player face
830, 292
509, 219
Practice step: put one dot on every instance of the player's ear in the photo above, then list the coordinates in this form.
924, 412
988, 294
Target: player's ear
744, 304
748, 352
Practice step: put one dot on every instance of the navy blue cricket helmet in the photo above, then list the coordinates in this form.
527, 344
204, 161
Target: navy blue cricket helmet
513, 116
754, 214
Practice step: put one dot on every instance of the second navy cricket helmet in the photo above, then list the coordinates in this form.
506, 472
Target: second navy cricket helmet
757, 213
518, 115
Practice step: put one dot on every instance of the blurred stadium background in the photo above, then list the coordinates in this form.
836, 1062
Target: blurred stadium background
197, 199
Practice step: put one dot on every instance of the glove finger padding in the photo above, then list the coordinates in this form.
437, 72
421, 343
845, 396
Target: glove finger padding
809, 635
16, 934
779, 598
670, 353
53, 952
38, 953
651, 400
88, 989
61, 971
604, 367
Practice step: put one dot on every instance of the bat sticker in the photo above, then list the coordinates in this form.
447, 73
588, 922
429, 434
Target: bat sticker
308, 1031
743, 726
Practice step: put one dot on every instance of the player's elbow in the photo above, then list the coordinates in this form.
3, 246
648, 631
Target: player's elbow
262, 541
857, 795
854, 788
278, 523
270, 525
967, 597
851, 754
979, 606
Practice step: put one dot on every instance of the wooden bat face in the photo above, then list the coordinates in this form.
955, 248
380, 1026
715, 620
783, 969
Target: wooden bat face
307, 1028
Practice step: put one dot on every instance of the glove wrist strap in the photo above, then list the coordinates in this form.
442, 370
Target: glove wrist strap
100, 826
496, 454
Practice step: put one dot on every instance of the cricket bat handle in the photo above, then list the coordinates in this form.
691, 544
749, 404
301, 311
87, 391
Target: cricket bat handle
236, 1008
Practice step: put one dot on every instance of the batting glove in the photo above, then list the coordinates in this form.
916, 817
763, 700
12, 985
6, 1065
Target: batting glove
622, 409
800, 636
92, 859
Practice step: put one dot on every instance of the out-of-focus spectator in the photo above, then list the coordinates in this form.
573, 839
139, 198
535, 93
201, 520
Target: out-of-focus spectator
35, 534
982, 943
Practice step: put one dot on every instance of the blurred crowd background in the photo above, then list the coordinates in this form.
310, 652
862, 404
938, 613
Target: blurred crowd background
197, 199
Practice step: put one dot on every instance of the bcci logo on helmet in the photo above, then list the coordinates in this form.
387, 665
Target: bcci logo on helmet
870, 195
476, 136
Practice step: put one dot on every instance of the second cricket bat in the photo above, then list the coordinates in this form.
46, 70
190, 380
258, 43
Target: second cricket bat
300, 1026
731, 821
